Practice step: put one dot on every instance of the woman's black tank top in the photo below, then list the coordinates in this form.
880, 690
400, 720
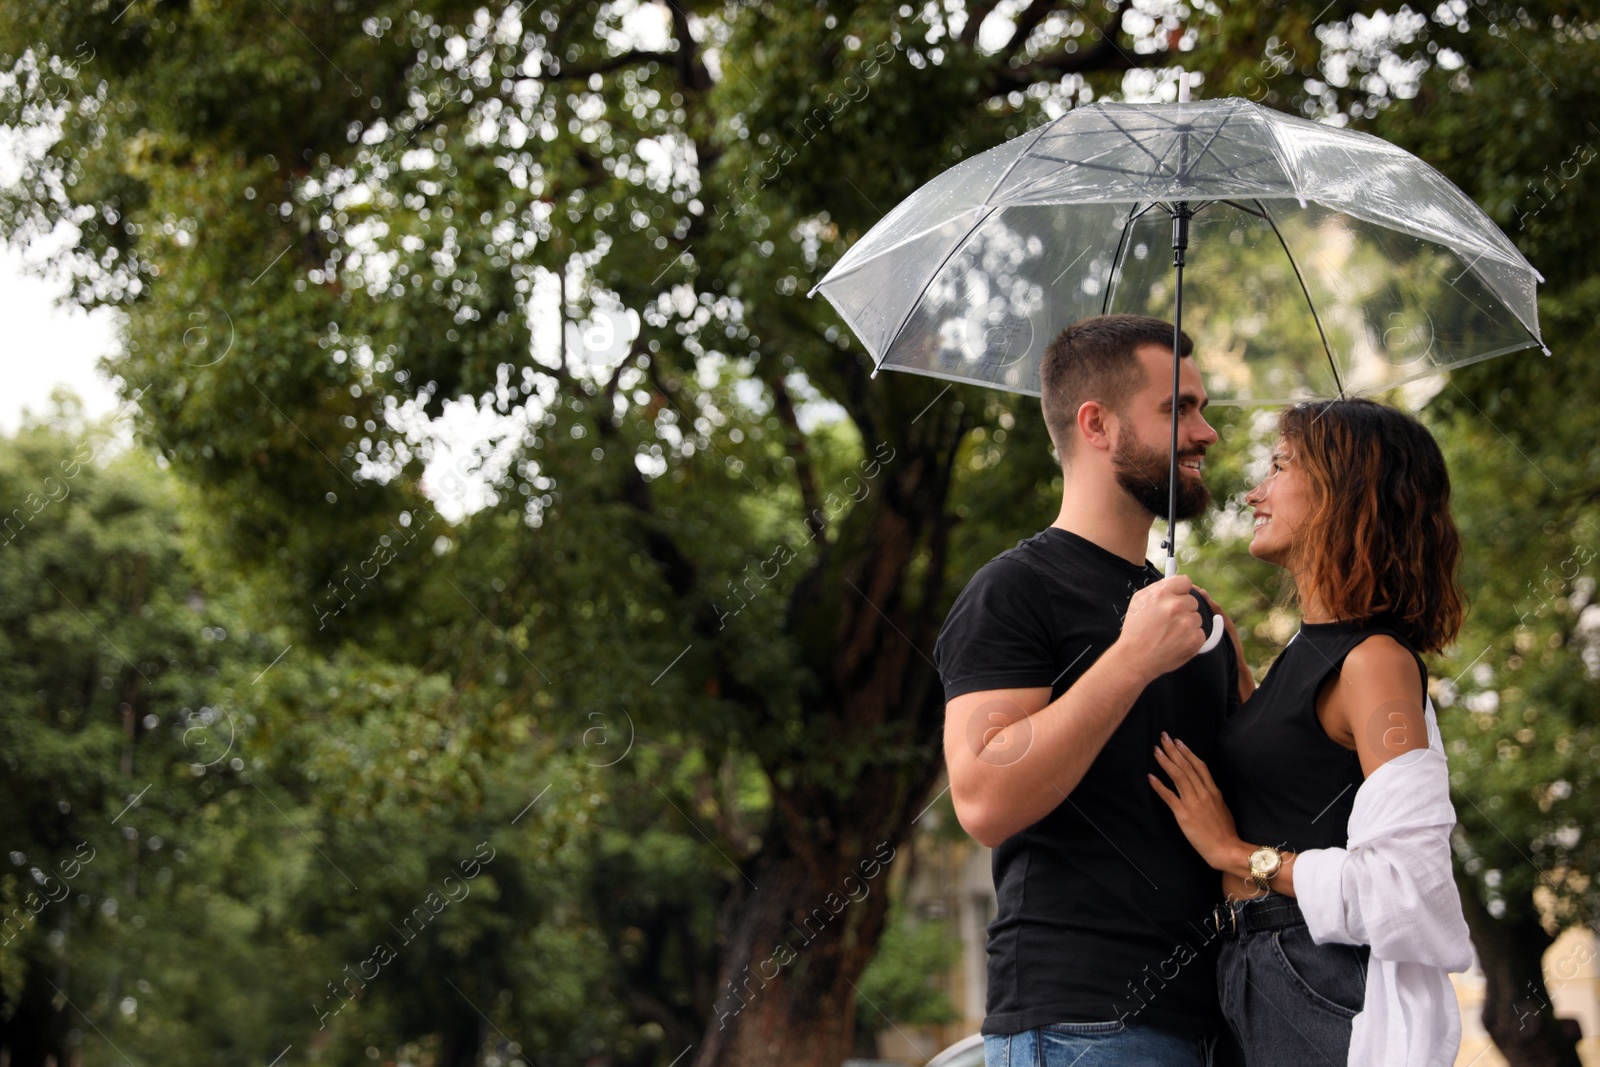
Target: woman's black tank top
1286, 781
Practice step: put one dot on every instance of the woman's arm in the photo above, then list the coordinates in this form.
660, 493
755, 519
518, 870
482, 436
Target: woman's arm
1205, 820
1375, 703
1392, 886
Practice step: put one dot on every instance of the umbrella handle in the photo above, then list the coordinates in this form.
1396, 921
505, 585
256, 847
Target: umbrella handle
1217, 625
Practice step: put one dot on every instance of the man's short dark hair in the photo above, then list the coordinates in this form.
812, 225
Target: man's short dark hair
1093, 359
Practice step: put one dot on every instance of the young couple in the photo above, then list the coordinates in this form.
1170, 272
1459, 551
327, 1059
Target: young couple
1192, 869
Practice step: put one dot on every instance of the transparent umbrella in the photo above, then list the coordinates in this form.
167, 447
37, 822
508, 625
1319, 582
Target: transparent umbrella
1310, 260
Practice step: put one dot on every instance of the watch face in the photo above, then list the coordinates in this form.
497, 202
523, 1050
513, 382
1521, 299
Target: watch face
1265, 860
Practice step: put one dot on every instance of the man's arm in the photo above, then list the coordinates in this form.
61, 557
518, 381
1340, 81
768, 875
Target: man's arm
1013, 756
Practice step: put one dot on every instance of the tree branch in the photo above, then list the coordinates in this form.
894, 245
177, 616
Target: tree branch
1027, 22
976, 13
1105, 55
797, 447
606, 66
693, 77
680, 572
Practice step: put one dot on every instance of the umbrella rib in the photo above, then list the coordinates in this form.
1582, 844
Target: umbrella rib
1327, 349
1255, 162
1140, 145
912, 310
1402, 227
1451, 282
1277, 152
968, 379
1085, 163
958, 246
1135, 213
1095, 166
1247, 210
1205, 149
1122, 242
1100, 166
987, 201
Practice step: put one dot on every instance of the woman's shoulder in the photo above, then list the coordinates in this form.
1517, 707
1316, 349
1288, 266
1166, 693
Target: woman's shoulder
1386, 655
1381, 699
1380, 650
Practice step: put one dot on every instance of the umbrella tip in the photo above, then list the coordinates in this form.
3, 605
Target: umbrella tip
1183, 86
874, 373
1545, 349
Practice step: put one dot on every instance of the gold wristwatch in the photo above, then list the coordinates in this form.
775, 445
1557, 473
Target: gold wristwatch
1265, 862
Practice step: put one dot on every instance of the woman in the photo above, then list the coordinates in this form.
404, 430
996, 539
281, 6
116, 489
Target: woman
1342, 920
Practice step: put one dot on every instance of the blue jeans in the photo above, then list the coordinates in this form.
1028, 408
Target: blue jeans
1108, 1044
1289, 1000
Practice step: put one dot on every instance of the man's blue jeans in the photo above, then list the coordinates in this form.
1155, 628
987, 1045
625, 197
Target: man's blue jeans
1108, 1044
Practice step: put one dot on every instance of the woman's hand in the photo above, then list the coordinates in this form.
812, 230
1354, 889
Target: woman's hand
1197, 803
1247, 680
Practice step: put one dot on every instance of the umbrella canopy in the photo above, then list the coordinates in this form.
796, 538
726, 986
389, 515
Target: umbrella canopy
1321, 261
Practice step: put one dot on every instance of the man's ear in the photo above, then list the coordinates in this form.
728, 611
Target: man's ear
1096, 424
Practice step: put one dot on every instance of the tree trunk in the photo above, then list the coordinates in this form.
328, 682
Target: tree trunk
801, 938
35, 1033
804, 922
1516, 1005
461, 1039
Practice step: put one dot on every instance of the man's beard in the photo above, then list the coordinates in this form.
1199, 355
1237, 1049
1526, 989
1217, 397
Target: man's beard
1144, 473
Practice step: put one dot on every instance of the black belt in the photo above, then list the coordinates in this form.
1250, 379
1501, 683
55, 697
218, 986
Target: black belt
1271, 912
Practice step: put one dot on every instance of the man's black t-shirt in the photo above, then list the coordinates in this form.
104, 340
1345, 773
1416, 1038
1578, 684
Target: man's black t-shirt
1103, 905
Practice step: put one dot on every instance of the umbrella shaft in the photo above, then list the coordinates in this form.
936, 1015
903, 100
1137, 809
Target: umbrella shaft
1180, 245
1180, 233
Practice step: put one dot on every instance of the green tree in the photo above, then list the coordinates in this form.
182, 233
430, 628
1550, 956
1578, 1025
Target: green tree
324, 221
319, 219
217, 850
119, 790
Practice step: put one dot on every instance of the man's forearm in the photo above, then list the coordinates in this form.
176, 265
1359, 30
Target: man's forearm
1058, 743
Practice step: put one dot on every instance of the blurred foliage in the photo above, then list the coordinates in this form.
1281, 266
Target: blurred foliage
210, 840
908, 981
326, 223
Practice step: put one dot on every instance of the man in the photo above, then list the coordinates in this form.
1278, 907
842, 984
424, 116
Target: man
1064, 661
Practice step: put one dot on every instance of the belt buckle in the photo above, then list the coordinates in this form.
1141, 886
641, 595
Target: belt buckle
1233, 916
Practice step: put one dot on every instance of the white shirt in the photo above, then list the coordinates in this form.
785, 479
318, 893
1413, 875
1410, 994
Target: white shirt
1391, 887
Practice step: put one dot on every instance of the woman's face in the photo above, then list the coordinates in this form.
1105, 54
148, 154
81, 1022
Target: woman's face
1281, 504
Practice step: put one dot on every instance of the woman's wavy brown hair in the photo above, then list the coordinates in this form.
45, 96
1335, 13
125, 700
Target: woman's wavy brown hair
1380, 537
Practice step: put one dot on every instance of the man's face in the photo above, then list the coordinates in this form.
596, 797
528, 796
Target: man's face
1140, 454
